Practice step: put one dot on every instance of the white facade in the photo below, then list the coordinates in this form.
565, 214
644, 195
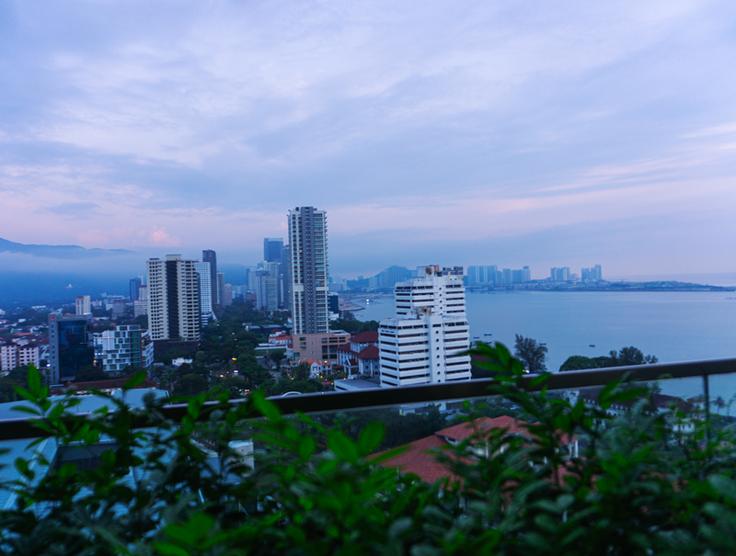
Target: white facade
428, 340
309, 270
83, 305
13, 356
125, 346
205, 291
173, 299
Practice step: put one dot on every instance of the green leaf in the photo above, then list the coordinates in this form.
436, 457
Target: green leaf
370, 437
134, 381
342, 446
34, 381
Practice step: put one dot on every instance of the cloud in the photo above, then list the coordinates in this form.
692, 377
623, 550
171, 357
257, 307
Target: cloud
199, 124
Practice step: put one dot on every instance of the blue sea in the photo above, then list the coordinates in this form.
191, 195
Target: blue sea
674, 326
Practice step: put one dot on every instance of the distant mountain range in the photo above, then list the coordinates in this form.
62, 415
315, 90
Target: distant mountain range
56, 251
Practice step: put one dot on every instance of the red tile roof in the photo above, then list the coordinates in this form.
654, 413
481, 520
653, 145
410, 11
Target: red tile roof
370, 352
463, 431
368, 337
420, 459
419, 456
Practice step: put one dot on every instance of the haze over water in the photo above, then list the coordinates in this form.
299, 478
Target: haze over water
674, 326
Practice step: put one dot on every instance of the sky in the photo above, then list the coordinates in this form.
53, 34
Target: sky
504, 132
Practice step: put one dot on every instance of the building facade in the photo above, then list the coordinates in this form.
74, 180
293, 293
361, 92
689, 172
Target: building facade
209, 256
83, 305
272, 247
134, 286
69, 347
206, 309
428, 339
267, 286
309, 270
173, 299
125, 346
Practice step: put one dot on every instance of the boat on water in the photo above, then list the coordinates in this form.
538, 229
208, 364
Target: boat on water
591, 345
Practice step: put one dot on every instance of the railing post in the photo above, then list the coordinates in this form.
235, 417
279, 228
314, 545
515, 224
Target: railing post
706, 399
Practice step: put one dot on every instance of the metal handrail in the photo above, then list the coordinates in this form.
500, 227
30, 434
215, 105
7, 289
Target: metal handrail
449, 391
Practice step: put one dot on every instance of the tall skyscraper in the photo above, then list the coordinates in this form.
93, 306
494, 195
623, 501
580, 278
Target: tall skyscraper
205, 291
560, 274
309, 270
209, 256
83, 305
134, 286
173, 299
428, 339
70, 349
272, 247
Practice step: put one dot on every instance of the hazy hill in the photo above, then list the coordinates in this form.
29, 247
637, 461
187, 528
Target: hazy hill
56, 251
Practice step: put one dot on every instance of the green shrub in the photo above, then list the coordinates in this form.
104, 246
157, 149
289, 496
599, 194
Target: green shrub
639, 484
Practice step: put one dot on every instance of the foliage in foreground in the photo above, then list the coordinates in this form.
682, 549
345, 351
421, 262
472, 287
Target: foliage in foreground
640, 485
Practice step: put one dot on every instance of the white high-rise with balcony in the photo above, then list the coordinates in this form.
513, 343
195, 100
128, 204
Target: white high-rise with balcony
309, 271
173, 299
428, 339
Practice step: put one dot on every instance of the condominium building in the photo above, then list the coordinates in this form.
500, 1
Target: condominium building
428, 339
205, 291
125, 346
83, 305
309, 270
173, 299
13, 356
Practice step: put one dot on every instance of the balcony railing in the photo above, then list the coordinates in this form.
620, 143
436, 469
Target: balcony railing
447, 392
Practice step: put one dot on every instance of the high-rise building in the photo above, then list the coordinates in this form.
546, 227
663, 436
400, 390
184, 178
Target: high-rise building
205, 291
272, 247
125, 346
592, 274
285, 279
309, 270
559, 274
428, 339
134, 286
83, 305
140, 306
69, 347
221, 291
268, 276
227, 295
173, 299
209, 256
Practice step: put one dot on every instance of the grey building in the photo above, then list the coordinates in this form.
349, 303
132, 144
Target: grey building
272, 247
309, 270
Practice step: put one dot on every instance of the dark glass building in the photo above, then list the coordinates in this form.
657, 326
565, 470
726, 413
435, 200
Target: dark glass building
70, 349
135, 286
272, 248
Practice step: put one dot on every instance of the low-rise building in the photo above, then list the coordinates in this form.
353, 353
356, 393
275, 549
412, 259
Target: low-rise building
125, 346
322, 347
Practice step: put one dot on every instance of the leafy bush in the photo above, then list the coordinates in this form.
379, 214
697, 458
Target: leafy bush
639, 484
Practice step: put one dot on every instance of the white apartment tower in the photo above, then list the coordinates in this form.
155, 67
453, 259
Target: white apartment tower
428, 339
309, 271
173, 299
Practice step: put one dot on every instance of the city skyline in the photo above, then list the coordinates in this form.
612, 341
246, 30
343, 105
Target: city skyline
606, 132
